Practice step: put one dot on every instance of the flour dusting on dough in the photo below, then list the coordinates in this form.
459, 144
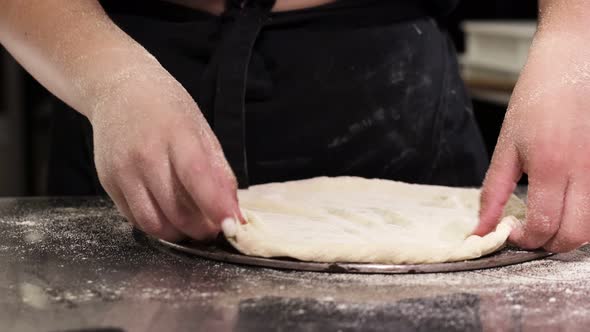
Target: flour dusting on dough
351, 219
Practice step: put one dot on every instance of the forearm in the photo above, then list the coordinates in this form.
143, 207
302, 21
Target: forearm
564, 16
72, 48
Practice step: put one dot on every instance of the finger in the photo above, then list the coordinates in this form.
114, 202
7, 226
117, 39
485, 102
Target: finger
547, 187
121, 204
209, 229
501, 179
176, 204
574, 230
210, 186
118, 198
147, 215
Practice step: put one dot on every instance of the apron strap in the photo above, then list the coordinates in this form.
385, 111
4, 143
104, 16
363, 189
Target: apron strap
229, 109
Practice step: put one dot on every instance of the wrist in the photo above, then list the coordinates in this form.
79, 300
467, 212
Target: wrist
118, 78
564, 17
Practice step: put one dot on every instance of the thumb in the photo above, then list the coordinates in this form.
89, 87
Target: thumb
216, 197
212, 188
500, 182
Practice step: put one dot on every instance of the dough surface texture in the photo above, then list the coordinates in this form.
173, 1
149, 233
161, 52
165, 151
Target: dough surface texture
351, 219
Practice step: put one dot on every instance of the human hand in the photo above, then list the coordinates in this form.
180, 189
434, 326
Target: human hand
546, 134
158, 159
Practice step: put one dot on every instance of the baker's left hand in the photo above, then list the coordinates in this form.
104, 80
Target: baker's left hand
546, 134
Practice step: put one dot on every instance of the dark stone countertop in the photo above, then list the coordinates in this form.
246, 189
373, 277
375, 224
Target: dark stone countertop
75, 265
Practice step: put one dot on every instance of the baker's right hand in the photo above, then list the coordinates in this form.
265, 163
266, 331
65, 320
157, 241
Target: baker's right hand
159, 160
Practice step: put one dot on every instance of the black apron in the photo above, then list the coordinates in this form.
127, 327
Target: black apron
333, 90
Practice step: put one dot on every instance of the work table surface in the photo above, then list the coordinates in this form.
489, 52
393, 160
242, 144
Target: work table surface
74, 265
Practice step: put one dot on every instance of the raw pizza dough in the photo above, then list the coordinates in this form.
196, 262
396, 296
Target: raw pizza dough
351, 219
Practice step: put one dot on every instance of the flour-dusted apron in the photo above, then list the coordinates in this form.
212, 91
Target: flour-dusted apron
333, 90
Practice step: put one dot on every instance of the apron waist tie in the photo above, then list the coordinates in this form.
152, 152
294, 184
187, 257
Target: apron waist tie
230, 90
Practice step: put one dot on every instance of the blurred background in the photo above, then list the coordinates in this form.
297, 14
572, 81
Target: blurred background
492, 36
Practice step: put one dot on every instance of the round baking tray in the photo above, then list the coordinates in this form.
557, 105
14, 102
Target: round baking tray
221, 250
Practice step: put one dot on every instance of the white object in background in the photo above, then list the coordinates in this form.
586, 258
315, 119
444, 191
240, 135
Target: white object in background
496, 49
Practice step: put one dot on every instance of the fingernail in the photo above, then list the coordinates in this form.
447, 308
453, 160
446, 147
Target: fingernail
229, 227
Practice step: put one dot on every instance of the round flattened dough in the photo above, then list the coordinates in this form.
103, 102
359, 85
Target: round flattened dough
351, 219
